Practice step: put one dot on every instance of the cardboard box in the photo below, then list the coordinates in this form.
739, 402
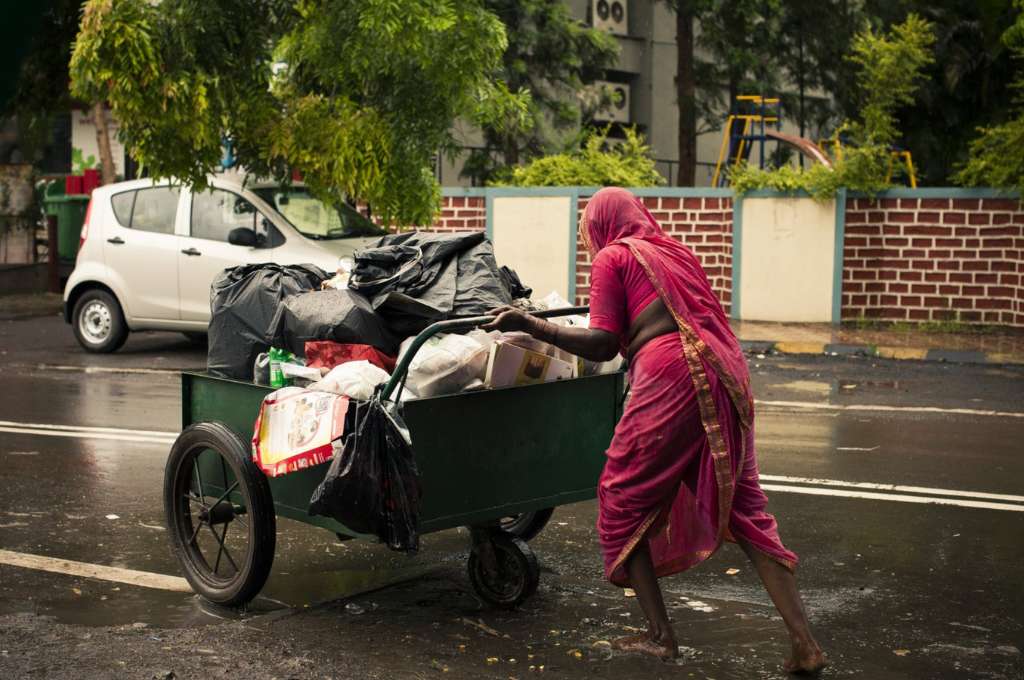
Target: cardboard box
511, 365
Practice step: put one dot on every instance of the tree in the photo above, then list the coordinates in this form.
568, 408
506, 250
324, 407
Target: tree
357, 96
551, 56
997, 155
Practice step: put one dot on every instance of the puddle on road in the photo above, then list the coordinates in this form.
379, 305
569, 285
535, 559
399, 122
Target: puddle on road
86, 602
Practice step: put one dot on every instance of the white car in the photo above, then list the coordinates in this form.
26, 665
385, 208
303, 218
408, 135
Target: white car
150, 250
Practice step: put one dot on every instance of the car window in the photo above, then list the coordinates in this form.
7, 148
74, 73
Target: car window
152, 209
122, 204
216, 212
267, 235
315, 219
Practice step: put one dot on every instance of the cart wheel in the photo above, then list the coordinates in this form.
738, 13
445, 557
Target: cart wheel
222, 531
510, 577
527, 525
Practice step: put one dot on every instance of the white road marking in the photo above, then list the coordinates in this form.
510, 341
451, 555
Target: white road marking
85, 428
89, 435
104, 369
894, 487
145, 579
816, 491
818, 406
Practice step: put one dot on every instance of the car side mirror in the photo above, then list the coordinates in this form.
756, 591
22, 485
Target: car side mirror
242, 236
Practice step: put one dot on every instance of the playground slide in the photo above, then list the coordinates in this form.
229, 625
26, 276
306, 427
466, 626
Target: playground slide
801, 144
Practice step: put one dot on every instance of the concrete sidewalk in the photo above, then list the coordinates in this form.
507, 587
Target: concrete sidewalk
984, 346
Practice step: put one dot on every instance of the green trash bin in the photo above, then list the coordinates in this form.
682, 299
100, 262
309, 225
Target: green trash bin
70, 212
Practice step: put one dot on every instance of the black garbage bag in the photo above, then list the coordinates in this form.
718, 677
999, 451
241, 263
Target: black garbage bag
514, 285
372, 486
339, 315
244, 307
415, 279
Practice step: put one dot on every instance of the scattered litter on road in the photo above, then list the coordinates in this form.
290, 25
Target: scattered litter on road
629, 592
438, 666
491, 660
353, 608
155, 527
480, 625
901, 652
732, 571
76, 591
575, 653
113, 516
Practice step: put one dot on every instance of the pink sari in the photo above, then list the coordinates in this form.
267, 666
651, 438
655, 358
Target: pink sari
681, 472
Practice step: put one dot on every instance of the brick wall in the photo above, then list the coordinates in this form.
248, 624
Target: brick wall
934, 259
461, 213
704, 224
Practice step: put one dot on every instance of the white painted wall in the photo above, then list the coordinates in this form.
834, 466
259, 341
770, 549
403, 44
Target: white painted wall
787, 259
531, 234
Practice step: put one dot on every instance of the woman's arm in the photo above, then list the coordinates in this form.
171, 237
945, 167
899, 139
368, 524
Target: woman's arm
593, 345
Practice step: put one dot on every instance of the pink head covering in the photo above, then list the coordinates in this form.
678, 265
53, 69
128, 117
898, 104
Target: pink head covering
613, 214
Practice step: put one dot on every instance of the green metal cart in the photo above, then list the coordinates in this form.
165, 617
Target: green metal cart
483, 456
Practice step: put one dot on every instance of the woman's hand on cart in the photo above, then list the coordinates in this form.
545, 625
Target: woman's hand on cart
509, 319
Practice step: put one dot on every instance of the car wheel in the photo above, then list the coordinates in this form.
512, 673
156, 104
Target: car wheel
99, 322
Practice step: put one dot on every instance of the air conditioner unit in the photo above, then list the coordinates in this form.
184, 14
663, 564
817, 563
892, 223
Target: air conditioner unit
610, 15
617, 111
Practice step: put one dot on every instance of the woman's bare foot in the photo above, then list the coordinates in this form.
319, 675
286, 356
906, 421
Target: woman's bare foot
645, 644
807, 658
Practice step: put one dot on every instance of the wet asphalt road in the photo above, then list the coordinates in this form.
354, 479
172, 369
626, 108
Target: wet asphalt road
895, 589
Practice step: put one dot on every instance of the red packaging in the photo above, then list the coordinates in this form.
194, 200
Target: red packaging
328, 354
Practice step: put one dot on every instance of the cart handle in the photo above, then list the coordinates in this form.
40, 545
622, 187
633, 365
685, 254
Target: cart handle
452, 325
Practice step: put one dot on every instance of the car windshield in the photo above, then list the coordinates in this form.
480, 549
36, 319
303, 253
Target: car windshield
314, 218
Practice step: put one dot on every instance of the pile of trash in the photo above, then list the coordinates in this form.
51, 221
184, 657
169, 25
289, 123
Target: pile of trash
330, 343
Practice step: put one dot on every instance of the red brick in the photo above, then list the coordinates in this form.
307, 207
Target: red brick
854, 241
949, 290
669, 203
954, 218
910, 203
986, 278
990, 254
874, 287
923, 264
1001, 218
1003, 231
894, 242
856, 217
712, 204
1009, 279
979, 218
853, 287
965, 203
888, 300
935, 203
976, 266
912, 252
993, 303
1000, 204
928, 231
918, 314
997, 242
928, 217
938, 254
966, 254
923, 289
1004, 291
961, 278
910, 276
922, 242
910, 301
859, 299
876, 216
935, 302
1004, 267
935, 277
889, 203
966, 231
898, 288
970, 316
887, 275
901, 217
457, 201
948, 242
692, 203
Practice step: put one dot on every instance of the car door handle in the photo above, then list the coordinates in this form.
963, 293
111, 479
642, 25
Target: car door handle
117, 241
191, 251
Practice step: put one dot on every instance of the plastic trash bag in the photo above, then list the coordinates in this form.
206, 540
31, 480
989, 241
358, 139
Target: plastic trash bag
338, 315
354, 379
244, 305
415, 279
447, 364
372, 486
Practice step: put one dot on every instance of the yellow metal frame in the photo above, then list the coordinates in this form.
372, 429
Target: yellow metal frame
895, 157
748, 120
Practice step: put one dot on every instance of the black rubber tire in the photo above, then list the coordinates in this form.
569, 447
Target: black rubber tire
197, 338
519, 572
104, 307
260, 523
527, 525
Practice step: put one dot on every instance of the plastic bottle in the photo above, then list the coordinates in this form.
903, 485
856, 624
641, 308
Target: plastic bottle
276, 376
261, 369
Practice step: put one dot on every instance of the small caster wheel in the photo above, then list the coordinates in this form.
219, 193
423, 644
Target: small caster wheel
528, 524
503, 570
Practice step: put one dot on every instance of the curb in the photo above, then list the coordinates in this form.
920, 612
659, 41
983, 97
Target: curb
880, 352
